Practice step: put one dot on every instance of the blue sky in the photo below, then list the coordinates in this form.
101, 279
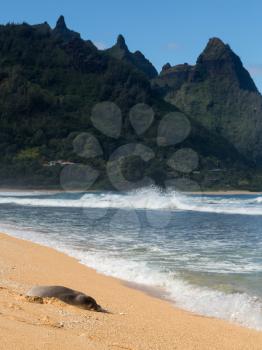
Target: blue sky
165, 31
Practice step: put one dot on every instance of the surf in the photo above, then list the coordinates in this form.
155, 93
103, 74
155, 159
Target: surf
143, 199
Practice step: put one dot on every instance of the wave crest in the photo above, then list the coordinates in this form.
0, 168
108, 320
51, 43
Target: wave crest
147, 199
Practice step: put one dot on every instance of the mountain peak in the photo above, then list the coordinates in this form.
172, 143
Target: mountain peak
120, 49
121, 43
61, 22
219, 60
62, 32
215, 41
137, 59
216, 49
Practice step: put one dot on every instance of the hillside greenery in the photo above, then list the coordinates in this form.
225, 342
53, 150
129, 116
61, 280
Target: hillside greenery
49, 82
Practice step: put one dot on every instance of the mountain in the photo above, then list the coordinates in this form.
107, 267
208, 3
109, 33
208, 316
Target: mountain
219, 93
137, 59
50, 82
62, 32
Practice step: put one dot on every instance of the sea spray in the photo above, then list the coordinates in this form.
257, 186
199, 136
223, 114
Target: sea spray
149, 198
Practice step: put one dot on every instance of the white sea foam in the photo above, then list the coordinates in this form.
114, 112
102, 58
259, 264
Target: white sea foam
239, 308
258, 199
22, 193
148, 199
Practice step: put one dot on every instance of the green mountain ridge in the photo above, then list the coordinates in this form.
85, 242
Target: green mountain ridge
219, 93
50, 81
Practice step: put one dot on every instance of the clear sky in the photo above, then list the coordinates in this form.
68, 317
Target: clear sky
165, 31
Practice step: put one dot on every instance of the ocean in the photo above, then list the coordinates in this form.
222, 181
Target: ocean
201, 252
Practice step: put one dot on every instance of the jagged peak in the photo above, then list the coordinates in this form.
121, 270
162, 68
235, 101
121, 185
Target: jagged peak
61, 30
121, 43
216, 49
218, 59
121, 51
215, 41
61, 22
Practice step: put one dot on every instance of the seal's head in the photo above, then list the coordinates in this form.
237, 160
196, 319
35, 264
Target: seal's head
87, 303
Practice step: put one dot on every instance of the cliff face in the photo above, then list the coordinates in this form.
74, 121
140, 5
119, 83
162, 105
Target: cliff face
219, 93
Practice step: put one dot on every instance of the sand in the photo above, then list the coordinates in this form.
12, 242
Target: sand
137, 320
54, 191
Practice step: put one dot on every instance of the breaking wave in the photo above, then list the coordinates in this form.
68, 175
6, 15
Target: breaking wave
236, 307
149, 198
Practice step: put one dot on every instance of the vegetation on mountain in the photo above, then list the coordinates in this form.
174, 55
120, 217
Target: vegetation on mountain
219, 93
51, 79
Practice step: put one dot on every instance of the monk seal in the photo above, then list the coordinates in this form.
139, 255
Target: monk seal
67, 295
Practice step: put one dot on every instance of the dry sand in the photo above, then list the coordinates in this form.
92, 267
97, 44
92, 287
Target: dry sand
138, 321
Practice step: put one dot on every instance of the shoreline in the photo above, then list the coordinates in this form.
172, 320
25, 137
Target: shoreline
139, 319
226, 193
53, 191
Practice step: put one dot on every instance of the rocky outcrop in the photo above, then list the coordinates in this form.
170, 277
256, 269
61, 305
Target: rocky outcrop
173, 77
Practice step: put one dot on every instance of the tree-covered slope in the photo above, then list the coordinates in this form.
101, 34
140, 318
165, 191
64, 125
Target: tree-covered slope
50, 82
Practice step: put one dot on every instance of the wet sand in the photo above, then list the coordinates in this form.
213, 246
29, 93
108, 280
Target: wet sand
137, 320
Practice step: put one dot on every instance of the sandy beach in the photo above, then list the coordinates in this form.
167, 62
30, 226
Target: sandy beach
137, 320
59, 190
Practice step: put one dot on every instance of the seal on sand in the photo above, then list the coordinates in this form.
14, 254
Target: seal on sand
67, 295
